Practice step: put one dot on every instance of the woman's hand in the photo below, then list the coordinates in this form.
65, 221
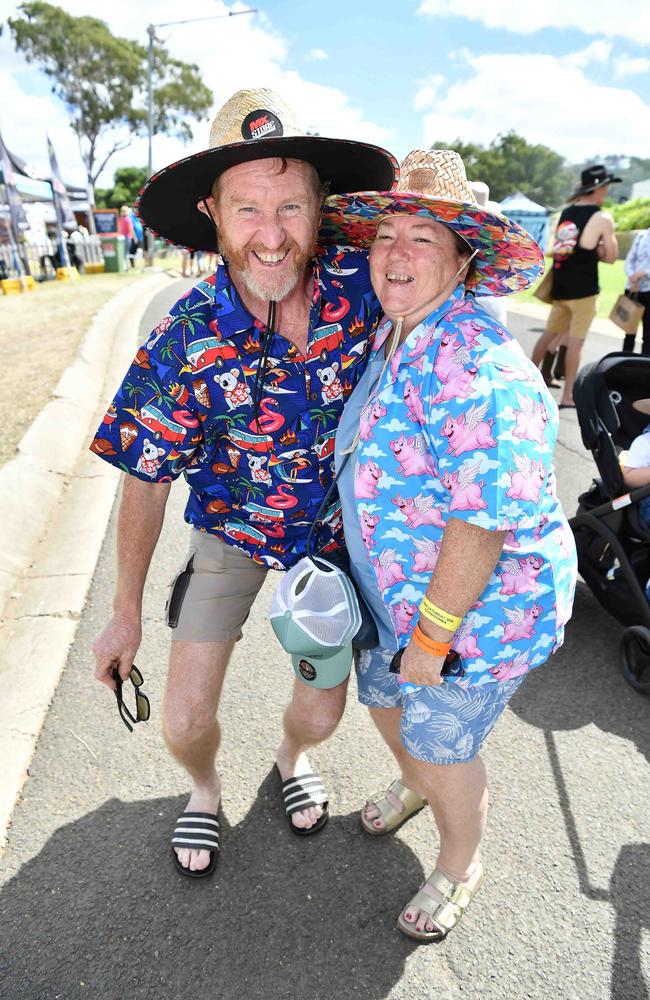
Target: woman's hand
418, 667
635, 278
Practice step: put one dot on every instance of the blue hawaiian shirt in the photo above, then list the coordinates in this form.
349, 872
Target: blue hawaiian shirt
185, 406
460, 425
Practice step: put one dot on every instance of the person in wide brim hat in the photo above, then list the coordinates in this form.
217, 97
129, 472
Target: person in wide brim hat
253, 124
592, 178
433, 183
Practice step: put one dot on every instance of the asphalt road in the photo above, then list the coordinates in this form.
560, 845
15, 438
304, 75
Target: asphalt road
91, 906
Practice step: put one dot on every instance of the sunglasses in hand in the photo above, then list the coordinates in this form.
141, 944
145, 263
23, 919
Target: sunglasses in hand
142, 707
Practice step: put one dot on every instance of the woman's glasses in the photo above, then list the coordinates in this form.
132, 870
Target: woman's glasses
142, 707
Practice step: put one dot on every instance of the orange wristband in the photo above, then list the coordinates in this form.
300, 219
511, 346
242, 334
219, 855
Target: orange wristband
429, 645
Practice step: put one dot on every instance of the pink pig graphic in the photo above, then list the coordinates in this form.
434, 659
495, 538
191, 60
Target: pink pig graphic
458, 387
412, 455
367, 478
466, 494
419, 350
508, 669
403, 614
519, 576
465, 642
543, 521
370, 414
413, 402
470, 431
521, 623
527, 482
532, 419
368, 524
419, 511
388, 569
426, 557
450, 359
469, 330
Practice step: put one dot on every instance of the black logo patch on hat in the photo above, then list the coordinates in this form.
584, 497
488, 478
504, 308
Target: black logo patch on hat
307, 670
260, 124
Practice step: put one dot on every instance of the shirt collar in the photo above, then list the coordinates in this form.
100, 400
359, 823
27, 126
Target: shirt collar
232, 315
432, 319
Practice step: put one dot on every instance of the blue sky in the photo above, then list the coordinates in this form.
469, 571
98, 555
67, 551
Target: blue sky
573, 74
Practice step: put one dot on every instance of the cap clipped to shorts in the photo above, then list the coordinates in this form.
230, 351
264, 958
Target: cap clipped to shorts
315, 615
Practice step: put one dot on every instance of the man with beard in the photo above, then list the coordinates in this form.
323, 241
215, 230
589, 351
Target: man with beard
240, 388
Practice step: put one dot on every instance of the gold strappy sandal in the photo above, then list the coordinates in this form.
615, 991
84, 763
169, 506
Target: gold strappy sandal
446, 913
391, 816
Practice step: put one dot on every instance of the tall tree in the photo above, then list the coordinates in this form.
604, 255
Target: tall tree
510, 164
101, 79
127, 182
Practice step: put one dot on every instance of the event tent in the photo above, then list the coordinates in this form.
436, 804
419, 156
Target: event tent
530, 215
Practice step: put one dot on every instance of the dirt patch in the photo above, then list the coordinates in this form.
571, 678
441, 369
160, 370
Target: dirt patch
40, 333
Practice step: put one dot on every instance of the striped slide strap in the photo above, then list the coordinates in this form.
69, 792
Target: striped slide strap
302, 792
198, 831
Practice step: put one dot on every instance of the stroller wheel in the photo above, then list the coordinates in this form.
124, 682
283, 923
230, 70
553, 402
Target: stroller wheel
635, 657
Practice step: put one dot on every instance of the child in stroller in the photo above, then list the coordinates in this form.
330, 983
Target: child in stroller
612, 536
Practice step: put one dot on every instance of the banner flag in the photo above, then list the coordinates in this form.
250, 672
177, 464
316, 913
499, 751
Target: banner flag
17, 215
61, 200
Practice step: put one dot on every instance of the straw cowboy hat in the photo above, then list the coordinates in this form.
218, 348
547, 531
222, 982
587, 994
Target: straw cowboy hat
433, 184
252, 125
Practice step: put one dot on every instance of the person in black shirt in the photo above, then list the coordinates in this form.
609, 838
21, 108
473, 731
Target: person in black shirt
583, 237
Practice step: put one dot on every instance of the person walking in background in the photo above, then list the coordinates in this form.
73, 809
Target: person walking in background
583, 237
637, 269
125, 228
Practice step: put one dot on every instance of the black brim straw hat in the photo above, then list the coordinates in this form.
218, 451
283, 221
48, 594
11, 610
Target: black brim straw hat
253, 124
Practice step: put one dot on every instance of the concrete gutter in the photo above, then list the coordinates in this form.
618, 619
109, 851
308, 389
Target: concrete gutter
55, 502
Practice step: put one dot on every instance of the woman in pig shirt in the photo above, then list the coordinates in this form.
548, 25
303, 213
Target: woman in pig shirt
448, 496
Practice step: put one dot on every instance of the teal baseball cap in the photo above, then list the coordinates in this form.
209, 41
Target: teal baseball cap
315, 615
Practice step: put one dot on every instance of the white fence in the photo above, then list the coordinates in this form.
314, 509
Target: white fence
42, 259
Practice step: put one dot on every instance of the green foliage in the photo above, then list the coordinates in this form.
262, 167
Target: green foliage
127, 182
632, 214
101, 79
510, 164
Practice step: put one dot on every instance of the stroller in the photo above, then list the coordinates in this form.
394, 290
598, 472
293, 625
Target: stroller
613, 544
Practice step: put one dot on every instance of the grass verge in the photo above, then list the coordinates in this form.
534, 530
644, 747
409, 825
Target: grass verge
40, 332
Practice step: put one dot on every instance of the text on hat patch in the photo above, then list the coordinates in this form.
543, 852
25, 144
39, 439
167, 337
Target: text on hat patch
260, 123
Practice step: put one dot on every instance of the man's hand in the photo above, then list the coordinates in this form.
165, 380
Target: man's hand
116, 646
418, 667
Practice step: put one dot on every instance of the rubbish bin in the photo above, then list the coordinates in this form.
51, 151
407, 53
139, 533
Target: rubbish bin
114, 250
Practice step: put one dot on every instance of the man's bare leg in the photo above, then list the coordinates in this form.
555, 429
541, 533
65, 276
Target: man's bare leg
310, 717
572, 361
194, 682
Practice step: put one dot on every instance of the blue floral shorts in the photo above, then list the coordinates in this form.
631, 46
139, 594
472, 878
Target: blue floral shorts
445, 724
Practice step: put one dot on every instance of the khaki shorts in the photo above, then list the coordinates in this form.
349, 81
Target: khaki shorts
211, 595
572, 315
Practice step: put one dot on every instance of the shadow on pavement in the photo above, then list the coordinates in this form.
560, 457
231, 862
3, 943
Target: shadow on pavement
107, 916
586, 686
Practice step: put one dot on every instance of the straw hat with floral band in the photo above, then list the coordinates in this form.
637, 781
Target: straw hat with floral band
253, 124
433, 184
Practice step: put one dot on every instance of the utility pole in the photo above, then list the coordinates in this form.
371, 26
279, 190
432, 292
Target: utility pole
151, 31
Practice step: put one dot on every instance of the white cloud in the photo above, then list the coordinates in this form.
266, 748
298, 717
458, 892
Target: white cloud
629, 19
627, 66
542, 97
317, 55
232, 53
598, 52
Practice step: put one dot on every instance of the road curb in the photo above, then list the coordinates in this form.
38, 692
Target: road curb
55, 502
